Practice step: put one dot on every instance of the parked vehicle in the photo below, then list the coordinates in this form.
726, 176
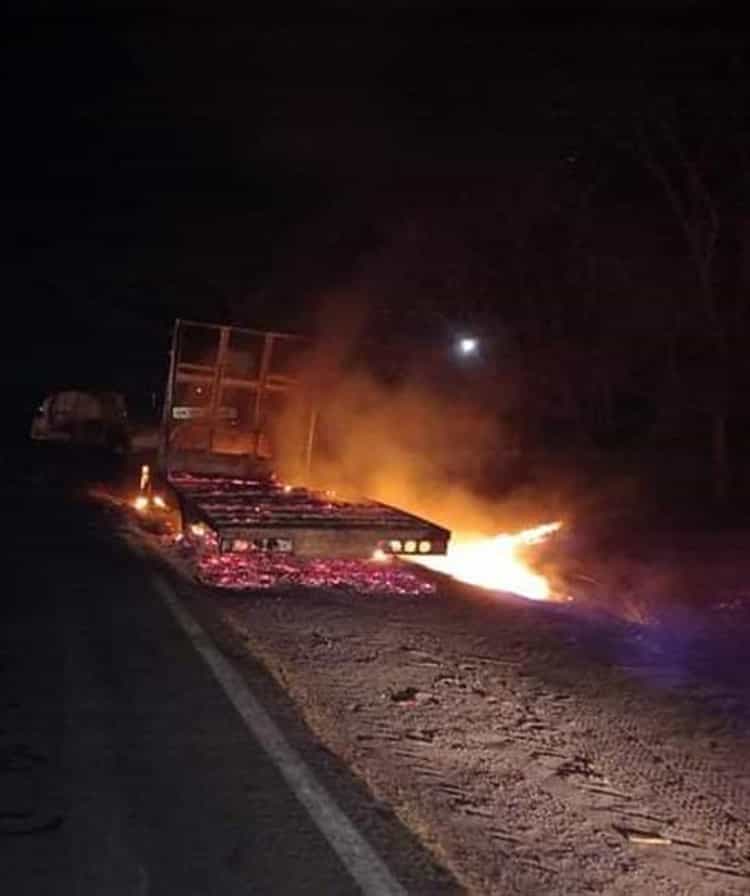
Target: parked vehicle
83, 418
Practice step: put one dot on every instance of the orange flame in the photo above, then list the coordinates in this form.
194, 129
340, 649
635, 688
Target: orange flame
141, 502
493, 562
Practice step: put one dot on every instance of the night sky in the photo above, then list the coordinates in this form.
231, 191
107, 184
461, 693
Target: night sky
219, 168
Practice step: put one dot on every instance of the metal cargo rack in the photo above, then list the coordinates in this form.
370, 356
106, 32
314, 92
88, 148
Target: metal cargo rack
225, 388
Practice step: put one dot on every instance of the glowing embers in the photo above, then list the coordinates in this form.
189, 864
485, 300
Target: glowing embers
146, 500
143, 503
495, 562
264, 571
250, 570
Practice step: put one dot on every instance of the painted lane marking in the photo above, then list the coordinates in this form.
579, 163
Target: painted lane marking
363, 863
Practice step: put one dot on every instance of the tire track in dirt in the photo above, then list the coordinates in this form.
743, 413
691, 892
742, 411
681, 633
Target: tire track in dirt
653, 793
526, 768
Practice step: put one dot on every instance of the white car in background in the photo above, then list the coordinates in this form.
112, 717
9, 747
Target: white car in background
91, 419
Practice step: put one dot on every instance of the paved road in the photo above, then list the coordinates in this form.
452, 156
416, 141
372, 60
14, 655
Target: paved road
123, 767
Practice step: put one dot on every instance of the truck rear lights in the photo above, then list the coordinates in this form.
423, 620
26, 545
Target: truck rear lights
410, 546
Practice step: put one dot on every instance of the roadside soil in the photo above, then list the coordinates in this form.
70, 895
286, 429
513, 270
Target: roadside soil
556, 748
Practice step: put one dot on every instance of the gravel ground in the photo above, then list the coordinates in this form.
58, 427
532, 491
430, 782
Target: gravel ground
535, 748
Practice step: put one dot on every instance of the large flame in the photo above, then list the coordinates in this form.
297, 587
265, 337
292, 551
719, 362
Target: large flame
493, 562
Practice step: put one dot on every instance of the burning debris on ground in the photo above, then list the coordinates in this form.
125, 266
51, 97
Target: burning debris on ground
362, 576
489, 562
222, 504
265, 570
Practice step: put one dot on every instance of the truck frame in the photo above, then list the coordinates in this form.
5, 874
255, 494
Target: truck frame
226, 388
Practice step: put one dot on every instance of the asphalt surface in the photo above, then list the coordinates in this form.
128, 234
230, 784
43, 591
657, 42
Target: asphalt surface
124, 769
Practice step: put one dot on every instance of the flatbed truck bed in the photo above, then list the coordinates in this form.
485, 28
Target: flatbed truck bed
264, 514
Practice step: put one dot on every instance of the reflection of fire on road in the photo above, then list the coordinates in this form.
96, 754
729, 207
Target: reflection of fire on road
494, 562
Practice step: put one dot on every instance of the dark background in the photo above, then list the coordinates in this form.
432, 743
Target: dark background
569, 185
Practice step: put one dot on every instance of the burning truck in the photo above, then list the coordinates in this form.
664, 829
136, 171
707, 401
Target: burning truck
227, 390
230, 397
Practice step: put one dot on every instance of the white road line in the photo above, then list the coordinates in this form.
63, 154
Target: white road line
363, 863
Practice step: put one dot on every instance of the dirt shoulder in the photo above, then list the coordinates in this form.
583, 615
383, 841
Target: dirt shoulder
535, 748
